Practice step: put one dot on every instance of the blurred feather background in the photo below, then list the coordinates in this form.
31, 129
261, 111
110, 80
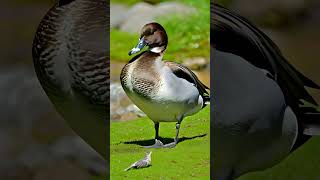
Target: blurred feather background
294, 25
35, 142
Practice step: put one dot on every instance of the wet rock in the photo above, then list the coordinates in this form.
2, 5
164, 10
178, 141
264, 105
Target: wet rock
127, 116
197, 63
121, 106
134, 109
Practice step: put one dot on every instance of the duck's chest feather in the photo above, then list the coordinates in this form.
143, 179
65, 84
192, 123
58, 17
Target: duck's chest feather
141, 77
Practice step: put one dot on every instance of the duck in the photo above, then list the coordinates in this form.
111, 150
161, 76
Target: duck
71, 60
164, 90
262, 111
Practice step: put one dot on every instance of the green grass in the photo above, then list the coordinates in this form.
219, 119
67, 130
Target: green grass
120, 44
188, 35
190, 159
303, 164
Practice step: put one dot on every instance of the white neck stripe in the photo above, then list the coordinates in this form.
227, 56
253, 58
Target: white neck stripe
157, 49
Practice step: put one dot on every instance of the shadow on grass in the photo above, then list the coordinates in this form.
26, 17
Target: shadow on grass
163, 140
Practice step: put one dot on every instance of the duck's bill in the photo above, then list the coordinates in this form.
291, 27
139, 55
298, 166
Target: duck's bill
138, 48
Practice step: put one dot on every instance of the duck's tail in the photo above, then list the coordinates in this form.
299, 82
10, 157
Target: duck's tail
308, 122
311, 118
206, 99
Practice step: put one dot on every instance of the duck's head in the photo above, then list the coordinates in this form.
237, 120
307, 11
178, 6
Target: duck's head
154, 36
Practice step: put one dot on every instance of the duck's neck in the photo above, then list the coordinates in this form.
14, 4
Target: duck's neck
160, 49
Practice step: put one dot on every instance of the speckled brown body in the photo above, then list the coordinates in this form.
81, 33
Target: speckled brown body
143, 80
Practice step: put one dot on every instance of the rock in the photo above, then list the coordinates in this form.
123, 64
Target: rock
134, 109
143, 13
127, 116
116, 93
121, 106
118, 14
118, 101
137, 16
197, 63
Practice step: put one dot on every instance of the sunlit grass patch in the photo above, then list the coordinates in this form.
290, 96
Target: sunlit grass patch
190, 159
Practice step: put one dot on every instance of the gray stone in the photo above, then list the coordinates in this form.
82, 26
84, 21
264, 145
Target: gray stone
118, 14
197, 63
137, 16
121, 106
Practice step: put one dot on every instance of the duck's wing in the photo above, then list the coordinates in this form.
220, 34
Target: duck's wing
254, 46
234, 34
71, 57
185, 73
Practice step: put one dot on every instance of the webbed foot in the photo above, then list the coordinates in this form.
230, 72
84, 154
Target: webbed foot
157, 144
